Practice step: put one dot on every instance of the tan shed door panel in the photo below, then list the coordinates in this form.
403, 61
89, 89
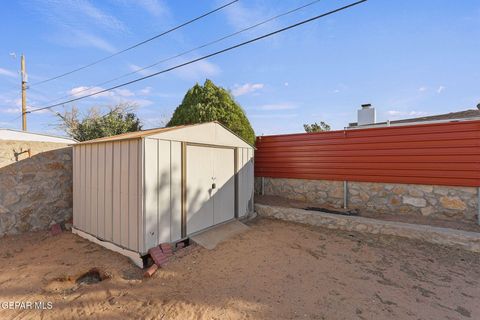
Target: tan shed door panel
224, 178
207, 206
199, 180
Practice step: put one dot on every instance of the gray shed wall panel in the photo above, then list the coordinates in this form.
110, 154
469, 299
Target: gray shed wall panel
245, 180
241, 176
108, 191
88, 186
76, 181
141, 199
83, 187
251, 179
163, 191
124, 193
94, 190
176, 192
108, 216
162, 174
101, 191
150, 194
133, 192
116, 161
129, 192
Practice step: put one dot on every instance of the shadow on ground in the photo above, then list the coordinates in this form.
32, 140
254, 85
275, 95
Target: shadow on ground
275, 270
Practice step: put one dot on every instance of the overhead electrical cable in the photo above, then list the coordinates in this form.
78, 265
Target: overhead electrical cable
135, 45
206, 56
96, 86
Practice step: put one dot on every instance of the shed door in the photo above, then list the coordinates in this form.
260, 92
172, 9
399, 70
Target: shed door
224, 192
207, 206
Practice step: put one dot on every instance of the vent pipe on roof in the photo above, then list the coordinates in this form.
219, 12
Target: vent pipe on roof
366, 115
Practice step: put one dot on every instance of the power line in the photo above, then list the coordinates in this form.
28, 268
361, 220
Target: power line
136, 45
186, 52
17, 117
206, 56
11, 119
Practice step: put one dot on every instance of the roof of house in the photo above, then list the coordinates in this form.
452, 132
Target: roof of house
466, 114
17, 135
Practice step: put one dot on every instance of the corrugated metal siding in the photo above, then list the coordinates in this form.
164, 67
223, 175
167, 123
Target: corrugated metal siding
163, 182
76, 190
176, 191
107, 191
129, 192
439, 154
245, 180
162, 191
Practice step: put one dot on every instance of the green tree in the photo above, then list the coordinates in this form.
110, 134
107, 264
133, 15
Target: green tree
315, 127
118, 119
211, 103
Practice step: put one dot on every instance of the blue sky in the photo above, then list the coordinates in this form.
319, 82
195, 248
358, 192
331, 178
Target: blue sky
408, 58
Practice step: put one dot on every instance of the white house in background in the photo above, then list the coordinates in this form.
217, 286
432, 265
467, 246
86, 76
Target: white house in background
366, 118
17, 135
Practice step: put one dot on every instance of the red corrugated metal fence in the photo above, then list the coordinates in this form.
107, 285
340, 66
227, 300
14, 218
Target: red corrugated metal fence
436, 154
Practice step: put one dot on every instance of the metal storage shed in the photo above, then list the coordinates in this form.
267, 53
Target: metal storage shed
134, 191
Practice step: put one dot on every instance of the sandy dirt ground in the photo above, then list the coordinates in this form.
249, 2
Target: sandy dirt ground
275, 270
415, 219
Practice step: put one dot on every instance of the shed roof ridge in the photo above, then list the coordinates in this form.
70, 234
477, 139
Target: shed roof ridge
139, 134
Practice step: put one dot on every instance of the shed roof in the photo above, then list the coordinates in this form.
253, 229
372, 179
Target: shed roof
145, 133
133, 135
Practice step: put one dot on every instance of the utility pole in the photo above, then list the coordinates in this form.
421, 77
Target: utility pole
24, 93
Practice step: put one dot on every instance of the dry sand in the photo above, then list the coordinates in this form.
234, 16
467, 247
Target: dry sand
276, 270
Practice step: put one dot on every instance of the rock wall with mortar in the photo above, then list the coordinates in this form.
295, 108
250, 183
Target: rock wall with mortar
445, 202
463, 239
35, 185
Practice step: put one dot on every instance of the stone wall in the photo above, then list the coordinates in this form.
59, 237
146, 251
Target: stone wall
445, 202
459, 238
35, 185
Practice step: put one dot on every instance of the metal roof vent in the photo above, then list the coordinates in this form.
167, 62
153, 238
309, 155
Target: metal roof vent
366, 115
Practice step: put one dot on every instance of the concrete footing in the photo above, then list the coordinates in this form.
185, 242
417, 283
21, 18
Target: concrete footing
134, 256
444, 236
